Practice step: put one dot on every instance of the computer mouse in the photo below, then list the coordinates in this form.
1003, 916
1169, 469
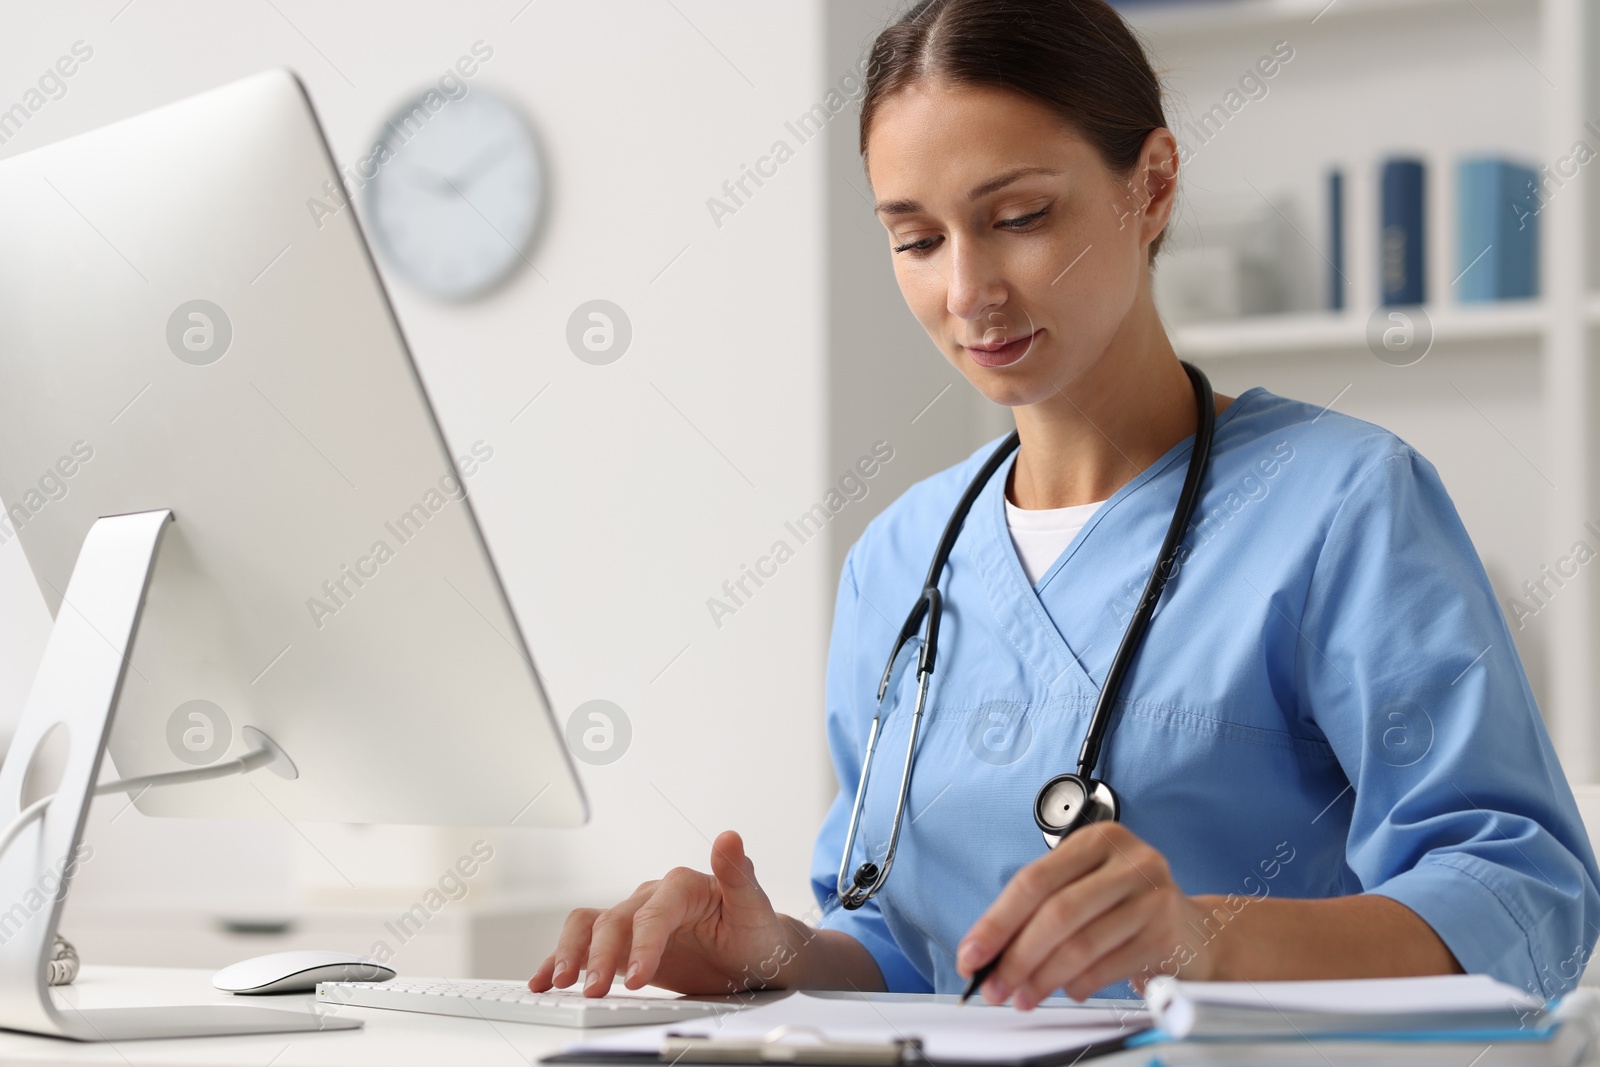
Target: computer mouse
298, 972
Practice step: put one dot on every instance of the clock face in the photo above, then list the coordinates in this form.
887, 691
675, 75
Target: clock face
456, 196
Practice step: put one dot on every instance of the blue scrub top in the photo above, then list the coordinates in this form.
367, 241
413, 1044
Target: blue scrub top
1328, 701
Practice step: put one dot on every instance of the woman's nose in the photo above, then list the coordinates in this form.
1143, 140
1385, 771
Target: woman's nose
974, 286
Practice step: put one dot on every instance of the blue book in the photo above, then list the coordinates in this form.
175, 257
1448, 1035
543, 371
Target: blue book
1565, 1045
1497, 243
1401, 235
1335, 240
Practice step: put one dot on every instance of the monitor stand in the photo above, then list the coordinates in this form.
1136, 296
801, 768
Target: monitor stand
75, 693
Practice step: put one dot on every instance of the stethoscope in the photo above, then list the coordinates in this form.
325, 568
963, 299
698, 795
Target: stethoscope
1068, 801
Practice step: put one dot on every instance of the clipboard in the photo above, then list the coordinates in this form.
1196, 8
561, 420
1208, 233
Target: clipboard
837, 1028
792, 1045
805, 1046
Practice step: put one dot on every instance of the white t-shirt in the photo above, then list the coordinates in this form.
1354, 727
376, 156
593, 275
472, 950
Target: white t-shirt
1041, 535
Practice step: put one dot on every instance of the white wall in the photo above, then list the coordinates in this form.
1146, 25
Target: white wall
626, 494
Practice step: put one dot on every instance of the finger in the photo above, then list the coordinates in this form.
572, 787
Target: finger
736, 876
542, 980
1128, 960
1065, 916
681, 893
572, 946
1072, 963
1066, 863
609, 945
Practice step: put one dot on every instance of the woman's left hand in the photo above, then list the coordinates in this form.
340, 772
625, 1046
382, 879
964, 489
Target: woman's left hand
1098, 908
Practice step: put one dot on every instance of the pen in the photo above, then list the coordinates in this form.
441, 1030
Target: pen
981, 975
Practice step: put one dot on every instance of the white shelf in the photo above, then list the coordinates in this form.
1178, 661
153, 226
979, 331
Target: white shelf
1330, 332
1206, 17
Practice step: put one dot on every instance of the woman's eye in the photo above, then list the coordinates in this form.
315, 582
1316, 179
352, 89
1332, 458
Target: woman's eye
917, 248
1022, 222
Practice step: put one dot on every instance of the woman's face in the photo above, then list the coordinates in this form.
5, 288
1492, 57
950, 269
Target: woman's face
1016, 249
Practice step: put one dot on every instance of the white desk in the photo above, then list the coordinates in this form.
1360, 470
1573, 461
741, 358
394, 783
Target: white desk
389, 1039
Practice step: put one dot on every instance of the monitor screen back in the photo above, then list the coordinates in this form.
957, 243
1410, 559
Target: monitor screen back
181, 327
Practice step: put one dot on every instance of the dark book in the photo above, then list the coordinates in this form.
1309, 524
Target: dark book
1401, 233
1336, 240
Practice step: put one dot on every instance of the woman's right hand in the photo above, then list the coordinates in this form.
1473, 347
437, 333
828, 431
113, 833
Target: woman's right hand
689, 932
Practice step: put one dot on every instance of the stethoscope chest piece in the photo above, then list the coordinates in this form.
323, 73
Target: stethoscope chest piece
1068, 801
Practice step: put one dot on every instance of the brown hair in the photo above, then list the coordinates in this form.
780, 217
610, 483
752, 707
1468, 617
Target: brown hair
1076, 57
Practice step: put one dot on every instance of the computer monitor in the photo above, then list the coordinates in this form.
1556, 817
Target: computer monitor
185, 326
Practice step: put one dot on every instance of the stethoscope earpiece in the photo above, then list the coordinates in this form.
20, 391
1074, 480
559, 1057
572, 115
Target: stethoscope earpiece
863, 885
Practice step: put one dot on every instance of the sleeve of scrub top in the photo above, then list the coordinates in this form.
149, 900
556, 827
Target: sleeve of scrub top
1461, 810
848, 721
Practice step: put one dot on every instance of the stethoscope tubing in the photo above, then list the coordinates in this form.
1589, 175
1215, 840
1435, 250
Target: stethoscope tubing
870, 876
1133, 636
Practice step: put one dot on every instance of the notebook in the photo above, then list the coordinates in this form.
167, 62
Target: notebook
1449, 1021
1443, 1003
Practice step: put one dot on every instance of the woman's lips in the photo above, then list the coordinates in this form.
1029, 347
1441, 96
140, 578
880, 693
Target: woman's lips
1002, 354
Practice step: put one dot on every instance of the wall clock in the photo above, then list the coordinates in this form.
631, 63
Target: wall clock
457, 195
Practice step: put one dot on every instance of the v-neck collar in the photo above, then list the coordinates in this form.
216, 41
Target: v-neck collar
1016, 601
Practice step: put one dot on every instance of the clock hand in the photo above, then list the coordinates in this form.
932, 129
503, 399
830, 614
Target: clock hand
467, 201
437, 183
481, 164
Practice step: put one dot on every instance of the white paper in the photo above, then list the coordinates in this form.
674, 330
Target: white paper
972, 1032
1356, 996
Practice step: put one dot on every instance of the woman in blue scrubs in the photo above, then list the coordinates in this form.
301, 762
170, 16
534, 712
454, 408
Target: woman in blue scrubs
1329, 759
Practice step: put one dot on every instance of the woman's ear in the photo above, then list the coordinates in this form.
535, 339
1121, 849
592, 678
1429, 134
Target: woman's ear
1155, 181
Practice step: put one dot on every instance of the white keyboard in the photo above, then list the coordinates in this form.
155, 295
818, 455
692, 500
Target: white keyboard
514, 1002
